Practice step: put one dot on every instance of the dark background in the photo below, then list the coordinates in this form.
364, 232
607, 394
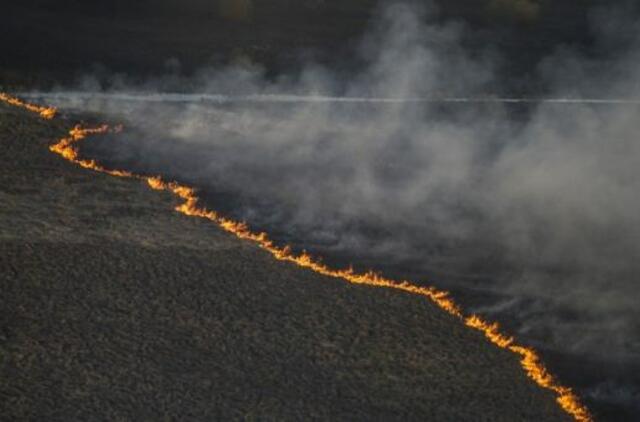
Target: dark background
44, 42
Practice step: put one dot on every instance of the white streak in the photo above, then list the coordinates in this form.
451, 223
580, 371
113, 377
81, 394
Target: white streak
278, 98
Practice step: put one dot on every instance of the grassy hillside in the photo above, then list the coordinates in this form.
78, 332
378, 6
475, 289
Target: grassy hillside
114, 307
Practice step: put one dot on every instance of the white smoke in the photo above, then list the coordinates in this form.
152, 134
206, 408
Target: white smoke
412, 164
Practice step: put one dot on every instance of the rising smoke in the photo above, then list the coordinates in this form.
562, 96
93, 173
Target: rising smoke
535, 204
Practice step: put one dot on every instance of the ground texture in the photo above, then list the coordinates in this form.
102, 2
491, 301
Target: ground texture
114, 307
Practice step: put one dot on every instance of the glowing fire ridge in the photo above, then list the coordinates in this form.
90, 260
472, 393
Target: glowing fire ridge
529, 358
44, 112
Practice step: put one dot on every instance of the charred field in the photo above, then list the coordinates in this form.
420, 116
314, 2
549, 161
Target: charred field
115, 307
305, 119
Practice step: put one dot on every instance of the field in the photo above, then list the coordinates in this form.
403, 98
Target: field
115, 307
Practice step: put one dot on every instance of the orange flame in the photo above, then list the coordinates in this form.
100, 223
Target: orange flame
66, 148
44, 112
529, 358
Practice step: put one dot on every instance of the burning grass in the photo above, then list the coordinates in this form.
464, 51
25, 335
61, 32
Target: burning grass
529, 359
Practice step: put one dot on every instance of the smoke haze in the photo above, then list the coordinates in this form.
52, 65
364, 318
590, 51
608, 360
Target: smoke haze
529, 211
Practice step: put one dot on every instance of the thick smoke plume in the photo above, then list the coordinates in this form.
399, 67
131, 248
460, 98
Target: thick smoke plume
534, 205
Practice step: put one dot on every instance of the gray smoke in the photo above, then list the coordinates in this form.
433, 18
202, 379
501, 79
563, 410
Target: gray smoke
536, 204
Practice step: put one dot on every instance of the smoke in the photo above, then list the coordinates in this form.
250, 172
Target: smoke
534, 205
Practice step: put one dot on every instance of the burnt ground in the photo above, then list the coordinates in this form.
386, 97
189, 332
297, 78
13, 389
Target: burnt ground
115, 307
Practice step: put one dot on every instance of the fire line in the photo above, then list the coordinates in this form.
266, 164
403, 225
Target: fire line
529, 359
44, 112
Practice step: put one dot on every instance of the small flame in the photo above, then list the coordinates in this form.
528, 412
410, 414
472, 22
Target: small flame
66, 148
533, 366
529, 358
44, 112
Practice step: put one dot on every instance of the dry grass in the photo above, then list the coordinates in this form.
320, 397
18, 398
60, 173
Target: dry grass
113, 307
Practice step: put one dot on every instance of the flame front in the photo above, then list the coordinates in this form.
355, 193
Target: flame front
44, 112
66, 148
529, 358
